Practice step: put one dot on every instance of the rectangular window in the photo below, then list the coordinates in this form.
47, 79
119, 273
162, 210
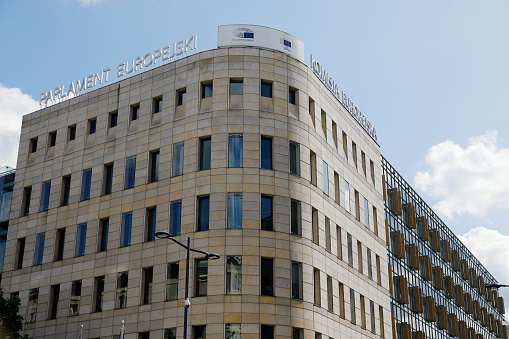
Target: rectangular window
171, 333
325, 178
33, 299
354, 153
330, 298
85, 184
316, 287
233, 275
172, 281
121, 292
175, 217
335, 134
199, 332
357, 207
74, 307
108, 179
130, 170
99, 294
352, 306
53, 301
266, 153
324, 123
359, 256
203, 213
296, 280
158, 105
235, 146
327, 235
381, 318
292, 96
370, 264
372, 316
207, 90
312, 111
27, 195
52, 139
350, 249
46, 188
181, 97
232, 331
20, 253
72, 132
345, 145
378, 273
312, 166
296, 218
150, 229
266, 89
104, 225
81, 237
39, 249
235, 210
297, 333
112, 119
147, 277
125, 231
266, 332
205, 153
347, 196
200, 282
375, 221
236, 87
341, 300
314, 225
363, 312
153, 167
144, 335
366, 213
135, 112
372, 170
92, 126
267, 276
178, 159
66, 190
59, 248
339, 243
363, 161
33, 145
294, 158
266, 213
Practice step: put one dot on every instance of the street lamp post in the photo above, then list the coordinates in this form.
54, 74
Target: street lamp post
497, 286
210, 256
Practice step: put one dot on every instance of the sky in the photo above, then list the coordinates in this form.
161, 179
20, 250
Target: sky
432, 77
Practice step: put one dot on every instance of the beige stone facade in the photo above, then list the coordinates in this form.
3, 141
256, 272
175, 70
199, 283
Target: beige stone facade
216, 117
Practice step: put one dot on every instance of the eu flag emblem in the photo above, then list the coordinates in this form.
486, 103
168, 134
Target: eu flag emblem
248, 35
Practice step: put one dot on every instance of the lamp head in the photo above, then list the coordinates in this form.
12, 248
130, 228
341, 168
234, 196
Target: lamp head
212, 256
162, 234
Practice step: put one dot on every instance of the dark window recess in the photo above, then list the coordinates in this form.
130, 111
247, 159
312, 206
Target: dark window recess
158, 105
27, 194
99, 292
103, 234
66, 189
292, 96
33, 145
54, 296
181, 97
201, 277
113, 119
267, 277
266, 153
151, 224
236, 87
148, 274
92, 124
154, 166
205, 152
267, 332
266, 89
21, 253
72, 133
108, 178
206, 90
135, 112
203, 213
52, 139
60, 244
266, 213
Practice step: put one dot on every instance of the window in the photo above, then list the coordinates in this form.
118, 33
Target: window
33, 299
85, 184
266, 213
27, 194
359, 256
150, 229
266, 332
205, 152
59, 248
294, 158
354, 153
232, 331
147, 278
158, 105
372, 170
236, 87
135, 112
125, 231
352, 306
372, 316
20, 253
325, 178
312, 166
52, 139
206, 90
130, 170
233, 275
339, 242
341, 300
178, 159
121, 293
200, 282
324, 123
330, 298
363, 312
108, 178
316, 287
200, 332
203, 213
327, 235
33, 145
350, 249
366, 213
104, 225
336, 187
312, 111
39, 249
296, 218
266, 153
347, 196
92, 125
112, 119
357, 207
296, 280
181, 97
235, 150
175, 217
370, 264
297, 333
363, 161
172, 281
266, 89
345, 145
74, 307
71, 132
46, 188
171, 333
81, 237
267, 277
99, 294
144, 335
292, 95
53, 301
335, 134
375, 221
378, 273
381, 318
153, 166
235, 210
66, 189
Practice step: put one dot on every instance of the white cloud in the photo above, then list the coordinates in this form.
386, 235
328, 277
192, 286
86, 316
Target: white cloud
89, 2
468, 180
13, 105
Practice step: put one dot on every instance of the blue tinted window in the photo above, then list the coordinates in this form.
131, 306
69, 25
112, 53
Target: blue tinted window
203, 213
175, 214
85, 184
205, 153
266, 153
81, 238
178, 159
266, 213
236, 87
39, 249
235, 150
125, 231
130, 169
234, 210
325, 178
266, 90
207, 90
46, 188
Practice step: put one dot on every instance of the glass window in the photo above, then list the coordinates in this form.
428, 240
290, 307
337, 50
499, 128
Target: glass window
46, 188
178, 159
235, 210
312, 166
233, 275
135, 112
158, 105
235, 150
181, 97
81, 237
125, 231
39, 249
314, 225
232, 331
292, 96
294, 158
33, 145
327, 235
92, 124
352, 306
201, 277
370, 264
66, 190
205, 144
154, 167
59, 255
103, 234
267, 277
20, 253
172, 281
108, 178
347, 196
330, 301
317, 298
366, 213
372, 316
74, 307
200, 332
54, 296
112, 119
121, 293
236, 87
266, 89
33, 299
266, 213
170, 333
297, 333
151, 224
175, 217
203, 213
148, 274
85, 184
296, 280
72, 133
52, 139
130, 169
267, 332
325, 178
27, 195
296, 218
266, 153
99, 293
350, 249
206, 90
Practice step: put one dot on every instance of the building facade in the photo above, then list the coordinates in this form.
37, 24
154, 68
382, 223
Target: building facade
7, 175
245, 151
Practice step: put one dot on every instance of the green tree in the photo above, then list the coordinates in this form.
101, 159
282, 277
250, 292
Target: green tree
11, 322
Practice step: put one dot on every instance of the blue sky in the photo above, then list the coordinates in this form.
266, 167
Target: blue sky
431, 76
